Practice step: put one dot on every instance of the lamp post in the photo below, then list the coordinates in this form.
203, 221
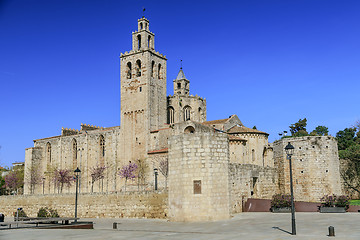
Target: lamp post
77, 172
289, 149
156, 174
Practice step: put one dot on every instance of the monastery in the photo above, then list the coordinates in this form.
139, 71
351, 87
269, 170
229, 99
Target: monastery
213, 166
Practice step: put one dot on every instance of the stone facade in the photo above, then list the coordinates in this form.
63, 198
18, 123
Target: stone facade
199, 176
214, 166
315, 165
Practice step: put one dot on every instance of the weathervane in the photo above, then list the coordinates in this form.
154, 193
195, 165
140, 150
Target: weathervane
180, 64
143, 12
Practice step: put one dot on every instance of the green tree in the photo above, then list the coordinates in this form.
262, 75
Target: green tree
298, 129
346, 138
349, 150
320, 131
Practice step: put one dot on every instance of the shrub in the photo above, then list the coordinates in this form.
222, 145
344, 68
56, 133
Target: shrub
335, 201
21, 213
281, 201
47, 212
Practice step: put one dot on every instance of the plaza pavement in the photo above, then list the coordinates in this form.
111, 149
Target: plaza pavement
240, 226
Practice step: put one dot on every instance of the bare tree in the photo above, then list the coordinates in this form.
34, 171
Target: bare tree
97, 173
164, 169
128, 172
62, 177
34, 178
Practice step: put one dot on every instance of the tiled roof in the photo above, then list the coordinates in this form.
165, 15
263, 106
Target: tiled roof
216, 121
181, 75
242, 129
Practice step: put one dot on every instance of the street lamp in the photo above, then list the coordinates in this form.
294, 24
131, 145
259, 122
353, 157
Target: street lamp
289, 149
156, 174
77, 172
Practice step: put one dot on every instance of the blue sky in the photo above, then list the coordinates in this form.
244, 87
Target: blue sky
269, 62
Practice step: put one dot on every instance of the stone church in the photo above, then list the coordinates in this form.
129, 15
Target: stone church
213, 166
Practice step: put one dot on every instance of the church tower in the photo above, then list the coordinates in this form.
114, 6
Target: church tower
182, 106
143, 91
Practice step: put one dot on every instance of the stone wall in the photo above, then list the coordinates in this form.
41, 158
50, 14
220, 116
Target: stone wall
315, 165
124, 205
251, 181
198, 177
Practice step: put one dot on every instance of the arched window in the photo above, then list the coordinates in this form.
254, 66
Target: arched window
139, 41
187, 110
102, 149
149, 41
74, 153
159, 71
200, 113
170, 116
146, 26
138, 68
48, 153
141, 26
189, 129
153, 70
128, 70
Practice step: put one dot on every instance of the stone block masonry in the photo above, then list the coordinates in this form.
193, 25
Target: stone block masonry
109, 205
199, 177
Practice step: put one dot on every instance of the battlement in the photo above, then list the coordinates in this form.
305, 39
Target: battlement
69, 131
88, 127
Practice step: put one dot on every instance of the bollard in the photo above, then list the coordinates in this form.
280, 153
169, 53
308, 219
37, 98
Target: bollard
114, 225
331, 231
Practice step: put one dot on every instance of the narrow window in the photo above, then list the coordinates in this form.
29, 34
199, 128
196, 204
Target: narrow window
74, 153
141, 26
128, 71
140, 89
197, 186
170, 117
153, 69
102, 149
159, 71
187, 110
149, 41
48, 153
178, 85
146, 26
138, 68
253, 155
139, 41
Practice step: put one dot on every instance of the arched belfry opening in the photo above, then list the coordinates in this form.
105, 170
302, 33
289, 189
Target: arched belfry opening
128, 70
139, 41
138, 68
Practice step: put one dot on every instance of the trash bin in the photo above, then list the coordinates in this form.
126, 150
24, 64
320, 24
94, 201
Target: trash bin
2, 216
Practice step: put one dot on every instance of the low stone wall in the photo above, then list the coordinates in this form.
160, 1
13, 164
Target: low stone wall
113, 205
251, 181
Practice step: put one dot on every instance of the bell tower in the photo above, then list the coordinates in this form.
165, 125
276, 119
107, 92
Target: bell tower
143, 91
